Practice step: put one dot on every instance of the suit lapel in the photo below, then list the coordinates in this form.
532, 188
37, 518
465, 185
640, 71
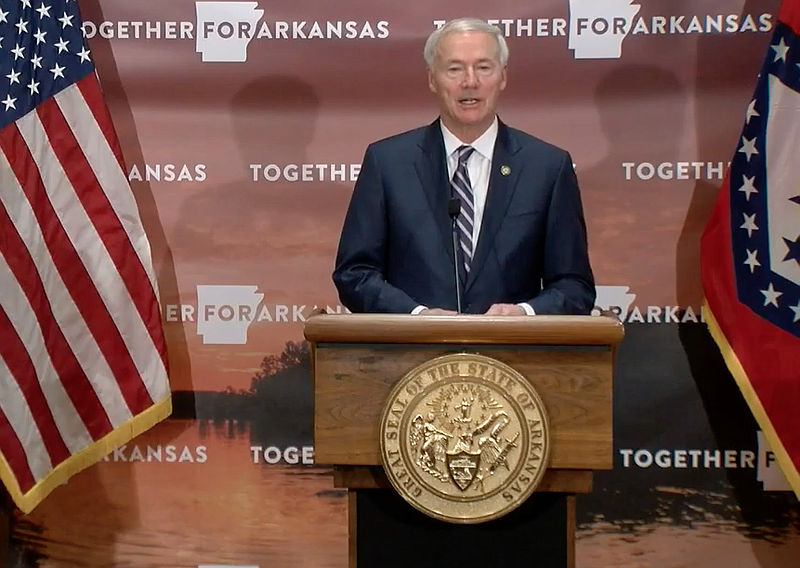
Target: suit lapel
503, 180
432, 171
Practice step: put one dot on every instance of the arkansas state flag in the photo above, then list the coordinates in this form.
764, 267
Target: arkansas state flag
750, 251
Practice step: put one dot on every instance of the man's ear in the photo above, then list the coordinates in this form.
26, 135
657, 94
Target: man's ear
431, 83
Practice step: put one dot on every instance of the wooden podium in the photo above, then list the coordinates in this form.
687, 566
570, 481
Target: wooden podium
357, 358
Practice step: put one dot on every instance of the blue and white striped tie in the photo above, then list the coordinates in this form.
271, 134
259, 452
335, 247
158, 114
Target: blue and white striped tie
466, 218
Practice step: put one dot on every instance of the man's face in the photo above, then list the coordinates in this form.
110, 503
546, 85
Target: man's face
467, 78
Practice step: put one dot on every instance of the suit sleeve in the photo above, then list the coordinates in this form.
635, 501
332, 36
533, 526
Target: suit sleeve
567, 279
359, 274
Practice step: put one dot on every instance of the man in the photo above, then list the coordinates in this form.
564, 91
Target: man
522, 246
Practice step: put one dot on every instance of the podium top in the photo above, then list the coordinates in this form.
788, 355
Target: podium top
467, 329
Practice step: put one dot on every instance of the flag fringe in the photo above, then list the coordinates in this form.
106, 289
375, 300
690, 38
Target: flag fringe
740, 376
85, 458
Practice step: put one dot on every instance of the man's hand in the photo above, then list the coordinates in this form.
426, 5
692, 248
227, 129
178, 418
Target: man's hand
505, 310
437, 312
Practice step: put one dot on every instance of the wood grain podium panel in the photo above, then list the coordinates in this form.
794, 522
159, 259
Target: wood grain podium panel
353, 381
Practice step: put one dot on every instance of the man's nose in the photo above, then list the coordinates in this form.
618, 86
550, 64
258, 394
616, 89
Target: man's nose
470, 78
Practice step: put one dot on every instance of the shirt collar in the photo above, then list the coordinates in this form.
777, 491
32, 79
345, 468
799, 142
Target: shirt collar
484, 144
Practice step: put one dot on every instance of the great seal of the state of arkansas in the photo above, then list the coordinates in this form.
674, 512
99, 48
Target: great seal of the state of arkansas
464, 438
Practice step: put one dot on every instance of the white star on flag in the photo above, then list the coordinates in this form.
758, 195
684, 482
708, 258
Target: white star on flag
748, 147
57, 71
39, 35
771, 295
751, 111
9, 102
747, 186
13, 77
796, 310
752, 261
65, 21
749, 224
61, 45
781, 51
44, 11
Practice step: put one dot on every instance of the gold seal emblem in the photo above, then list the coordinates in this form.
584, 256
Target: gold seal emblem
505, 170
464, 438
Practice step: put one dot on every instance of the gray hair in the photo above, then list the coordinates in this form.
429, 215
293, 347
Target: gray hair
465, 25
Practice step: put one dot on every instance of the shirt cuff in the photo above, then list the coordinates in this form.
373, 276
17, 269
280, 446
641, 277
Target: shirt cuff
528, 309
417, 310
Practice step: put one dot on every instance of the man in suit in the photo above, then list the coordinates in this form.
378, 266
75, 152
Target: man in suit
522, 246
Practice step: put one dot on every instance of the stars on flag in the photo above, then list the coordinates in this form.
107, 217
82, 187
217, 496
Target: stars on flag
40, 53
747, 186
771, 295
748, 147
781, 51
749, 224
752, 261
767, 240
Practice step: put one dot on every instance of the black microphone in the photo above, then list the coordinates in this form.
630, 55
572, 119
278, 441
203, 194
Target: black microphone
454, 209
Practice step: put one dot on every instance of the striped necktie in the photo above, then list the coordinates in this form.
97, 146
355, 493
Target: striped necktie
466, 218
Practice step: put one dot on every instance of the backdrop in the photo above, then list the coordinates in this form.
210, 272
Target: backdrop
243, 125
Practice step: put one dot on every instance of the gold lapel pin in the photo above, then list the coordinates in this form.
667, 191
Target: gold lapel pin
505, 170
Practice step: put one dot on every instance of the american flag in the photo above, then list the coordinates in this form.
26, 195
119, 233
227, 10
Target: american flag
750, 251
82, 354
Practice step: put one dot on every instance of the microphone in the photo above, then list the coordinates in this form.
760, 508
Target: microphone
454, 209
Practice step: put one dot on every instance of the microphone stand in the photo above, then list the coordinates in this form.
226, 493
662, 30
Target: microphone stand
454, 209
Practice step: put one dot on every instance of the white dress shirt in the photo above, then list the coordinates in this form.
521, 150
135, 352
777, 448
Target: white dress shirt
479, 166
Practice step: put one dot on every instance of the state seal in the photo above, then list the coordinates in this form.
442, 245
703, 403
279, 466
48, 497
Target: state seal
464, 438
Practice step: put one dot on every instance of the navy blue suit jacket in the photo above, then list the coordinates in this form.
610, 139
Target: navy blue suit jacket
396, 247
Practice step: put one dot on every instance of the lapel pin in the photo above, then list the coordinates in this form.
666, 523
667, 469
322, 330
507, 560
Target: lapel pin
505, 170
